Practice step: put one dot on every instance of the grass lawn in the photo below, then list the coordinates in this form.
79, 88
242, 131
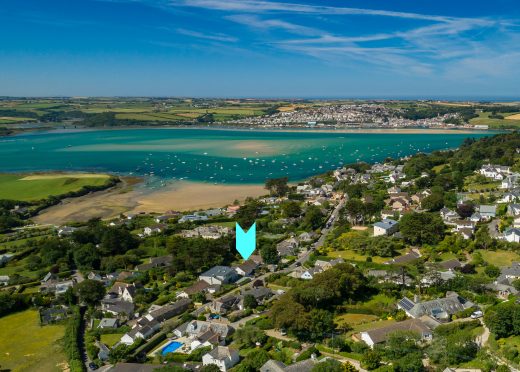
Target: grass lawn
18, 267
372, 325
355, 319
499, 258
111, 339
229, 224
27, 346
37, 187
354, 256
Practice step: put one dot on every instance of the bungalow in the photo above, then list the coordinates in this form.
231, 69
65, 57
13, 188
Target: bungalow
307, 237
223, 357
155, 229
464, 224
441, 308
198, 287
487, 211
309, 273
287, 247
411, 256
219, 275
476, 217
260, 294
386, 227
325, 265
66, 230
448, 215
465, 233
143, 328
168, 311
193, 218
246, 268
155, 262
504, 283
108, 323
399, 204
104, 351
512, 235
379, 335
451, 265
225, 304
302, 366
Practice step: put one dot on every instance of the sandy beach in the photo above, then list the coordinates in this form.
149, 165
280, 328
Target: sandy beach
126, 198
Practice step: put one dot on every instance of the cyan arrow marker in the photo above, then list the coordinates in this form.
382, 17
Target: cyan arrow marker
245, 242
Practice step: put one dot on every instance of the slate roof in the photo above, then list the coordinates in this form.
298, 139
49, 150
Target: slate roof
379, 335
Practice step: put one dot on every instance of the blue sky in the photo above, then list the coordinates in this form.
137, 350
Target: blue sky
260, 48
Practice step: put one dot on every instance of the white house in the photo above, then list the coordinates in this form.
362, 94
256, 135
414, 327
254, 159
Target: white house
512, 235
385, 227
513, 209
222, 356
4, 280
487, 211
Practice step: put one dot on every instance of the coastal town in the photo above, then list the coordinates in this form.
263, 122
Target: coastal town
367, 267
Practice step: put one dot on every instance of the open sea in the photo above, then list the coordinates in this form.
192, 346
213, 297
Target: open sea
213, 156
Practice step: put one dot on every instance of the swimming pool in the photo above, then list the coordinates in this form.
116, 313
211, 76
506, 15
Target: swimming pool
171, 347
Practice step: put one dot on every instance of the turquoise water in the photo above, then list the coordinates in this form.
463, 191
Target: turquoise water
171, 347
215, 156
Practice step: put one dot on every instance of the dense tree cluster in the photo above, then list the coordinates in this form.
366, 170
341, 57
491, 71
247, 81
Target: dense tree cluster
305, 310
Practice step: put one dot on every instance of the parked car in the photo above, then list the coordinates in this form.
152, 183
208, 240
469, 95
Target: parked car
476, 314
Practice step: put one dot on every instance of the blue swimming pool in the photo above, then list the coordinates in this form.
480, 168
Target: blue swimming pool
171, 347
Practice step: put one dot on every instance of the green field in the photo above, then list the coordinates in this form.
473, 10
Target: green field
350, 255
484, 119
32, 188
499, 258
27, 346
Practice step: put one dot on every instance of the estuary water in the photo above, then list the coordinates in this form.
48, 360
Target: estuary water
211, 156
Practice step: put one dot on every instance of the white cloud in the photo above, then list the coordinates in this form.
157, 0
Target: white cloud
201, 35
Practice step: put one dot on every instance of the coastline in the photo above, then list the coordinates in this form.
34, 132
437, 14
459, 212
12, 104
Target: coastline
371, 130
179, 196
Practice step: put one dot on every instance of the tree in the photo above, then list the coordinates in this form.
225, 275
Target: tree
268, 251
90, 291
210, 368
86, 257
422, 228
313, 218
492, 271
250, 302
329, 365
291, 209
434, 202
277, 186
371, 359
253, 361
249, 336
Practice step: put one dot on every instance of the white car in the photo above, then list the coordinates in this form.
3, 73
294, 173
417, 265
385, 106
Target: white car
477, 314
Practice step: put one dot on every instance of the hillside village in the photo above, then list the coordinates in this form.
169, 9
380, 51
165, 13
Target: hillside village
410, 264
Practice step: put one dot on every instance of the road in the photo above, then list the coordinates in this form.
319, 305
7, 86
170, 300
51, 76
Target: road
493, 229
